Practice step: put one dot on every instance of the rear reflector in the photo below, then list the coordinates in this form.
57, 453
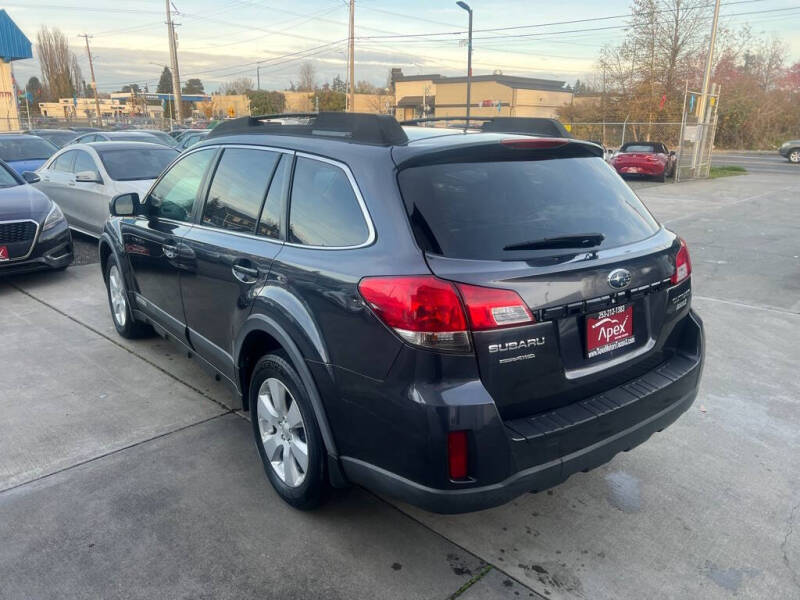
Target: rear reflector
457, 454
491, 308
535, 143
683, 264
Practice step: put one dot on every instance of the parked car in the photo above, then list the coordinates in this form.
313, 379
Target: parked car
791, 151
175, 133
162, 136
58, 137
454, 320
191, 138
651, 159
83, 178
84, 129
118, 136
23, 152
33, 232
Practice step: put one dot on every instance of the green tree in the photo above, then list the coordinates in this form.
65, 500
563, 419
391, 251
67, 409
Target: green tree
331, 101
266, 103
131, 88
165, 82
193, 86
339, 85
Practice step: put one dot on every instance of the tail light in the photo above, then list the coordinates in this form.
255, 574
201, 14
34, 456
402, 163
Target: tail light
433, 313
683, 264
534, 143
490, 308
457, 454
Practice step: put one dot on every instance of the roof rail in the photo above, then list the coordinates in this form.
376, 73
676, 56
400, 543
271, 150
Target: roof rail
523, 125
380, 130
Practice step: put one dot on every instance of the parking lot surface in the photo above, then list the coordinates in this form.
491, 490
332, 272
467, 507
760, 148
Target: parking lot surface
125, 470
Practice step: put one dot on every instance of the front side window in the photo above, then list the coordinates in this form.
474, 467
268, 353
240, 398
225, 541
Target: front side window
64, 162
84, 162
175, 195
324, 210
238, 189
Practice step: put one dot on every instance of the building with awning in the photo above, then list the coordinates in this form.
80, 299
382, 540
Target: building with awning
495, 95
14, 45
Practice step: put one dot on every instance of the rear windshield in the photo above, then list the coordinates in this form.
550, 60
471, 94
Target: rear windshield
31, 148
476, 210
136, 163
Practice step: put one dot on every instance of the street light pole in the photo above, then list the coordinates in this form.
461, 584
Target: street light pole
177, 108
467, 8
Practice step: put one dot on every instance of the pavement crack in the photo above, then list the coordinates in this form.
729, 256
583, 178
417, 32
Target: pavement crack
785, 544
113, 452
475, 579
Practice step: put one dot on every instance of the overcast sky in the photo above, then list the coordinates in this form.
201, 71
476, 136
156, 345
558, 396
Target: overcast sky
220, 40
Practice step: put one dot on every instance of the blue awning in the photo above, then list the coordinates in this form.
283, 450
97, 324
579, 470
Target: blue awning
13, 43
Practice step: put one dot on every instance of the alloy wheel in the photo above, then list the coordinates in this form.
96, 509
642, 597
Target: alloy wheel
794, 156
116, 289
283, 432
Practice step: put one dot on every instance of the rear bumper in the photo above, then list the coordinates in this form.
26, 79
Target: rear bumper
551, 446
640, 169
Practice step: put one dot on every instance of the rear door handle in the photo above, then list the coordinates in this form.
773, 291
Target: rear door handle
245, 274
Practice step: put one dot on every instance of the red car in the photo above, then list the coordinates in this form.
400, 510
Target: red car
651, 159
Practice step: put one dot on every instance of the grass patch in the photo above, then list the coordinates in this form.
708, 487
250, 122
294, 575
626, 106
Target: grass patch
726, 171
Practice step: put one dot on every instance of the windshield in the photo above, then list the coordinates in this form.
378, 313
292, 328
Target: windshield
493, 210
58, 138
136, 163
31, 148
639, 148
7, 178
134, 137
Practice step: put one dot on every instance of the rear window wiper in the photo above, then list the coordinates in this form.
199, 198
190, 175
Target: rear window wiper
580, 240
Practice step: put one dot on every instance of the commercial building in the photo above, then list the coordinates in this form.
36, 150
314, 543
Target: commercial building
13, 46
491, 95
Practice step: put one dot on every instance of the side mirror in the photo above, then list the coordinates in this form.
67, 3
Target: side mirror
126, 205
31, 177
88, 177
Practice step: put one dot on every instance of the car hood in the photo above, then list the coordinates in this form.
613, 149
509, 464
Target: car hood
23, 202
26, 165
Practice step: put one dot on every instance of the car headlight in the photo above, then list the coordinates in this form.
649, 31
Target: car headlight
54, 217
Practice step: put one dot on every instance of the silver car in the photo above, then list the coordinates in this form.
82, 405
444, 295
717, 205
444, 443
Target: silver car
83, 178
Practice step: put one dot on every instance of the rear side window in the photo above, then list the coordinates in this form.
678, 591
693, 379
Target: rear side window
238, 189
477, 210
269, 225
324, 210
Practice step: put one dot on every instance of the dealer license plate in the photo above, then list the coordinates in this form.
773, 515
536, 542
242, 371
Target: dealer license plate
609, 330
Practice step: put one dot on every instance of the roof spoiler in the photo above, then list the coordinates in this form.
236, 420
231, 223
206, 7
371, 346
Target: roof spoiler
380, 130
522, 125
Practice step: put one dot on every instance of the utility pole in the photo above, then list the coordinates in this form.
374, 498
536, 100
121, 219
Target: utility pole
176, 78
352, 57
86, 37
258, 77
709, 60
467, 8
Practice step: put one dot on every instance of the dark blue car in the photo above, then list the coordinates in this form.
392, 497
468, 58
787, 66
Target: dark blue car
33, 232
24, 152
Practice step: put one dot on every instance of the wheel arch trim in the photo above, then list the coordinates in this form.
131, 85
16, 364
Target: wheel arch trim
265, 324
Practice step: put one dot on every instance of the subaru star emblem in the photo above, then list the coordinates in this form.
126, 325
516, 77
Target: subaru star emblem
619, 278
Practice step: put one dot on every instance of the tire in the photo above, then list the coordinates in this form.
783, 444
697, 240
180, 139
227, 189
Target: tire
284, 429
119, 304
794, 156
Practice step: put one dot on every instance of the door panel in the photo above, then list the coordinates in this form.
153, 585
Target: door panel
229, 262
153, 243
89, 200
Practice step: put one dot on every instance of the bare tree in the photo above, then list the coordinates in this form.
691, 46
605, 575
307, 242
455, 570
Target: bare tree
59, 65
308, 78
242, 85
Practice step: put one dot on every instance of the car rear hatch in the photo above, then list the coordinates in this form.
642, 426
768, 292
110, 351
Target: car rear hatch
551, 221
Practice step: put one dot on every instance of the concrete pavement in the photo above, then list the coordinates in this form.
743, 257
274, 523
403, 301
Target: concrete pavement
155, 488
756, 162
